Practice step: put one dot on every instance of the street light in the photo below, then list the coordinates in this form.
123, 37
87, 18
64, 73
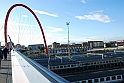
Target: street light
67, 23
103, 48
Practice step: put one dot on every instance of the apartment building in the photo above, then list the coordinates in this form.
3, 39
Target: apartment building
92, 44
35, 46
63, 48
120, 43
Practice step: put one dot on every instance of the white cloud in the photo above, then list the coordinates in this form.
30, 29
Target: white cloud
53, 29
13, 23
95, 16
1, 22
55, 37
25, 16
83, 1
20, 24
45, 13
69, 13
99, 11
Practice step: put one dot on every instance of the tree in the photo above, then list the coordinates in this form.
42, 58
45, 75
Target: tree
39, 48
30, 49
42, 49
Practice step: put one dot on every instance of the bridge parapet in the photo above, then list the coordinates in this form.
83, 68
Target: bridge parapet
25, 70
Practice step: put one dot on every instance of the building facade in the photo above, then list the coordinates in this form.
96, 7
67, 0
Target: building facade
92, 44
36, 46
55, 45
63, 48
120, 43
111, 44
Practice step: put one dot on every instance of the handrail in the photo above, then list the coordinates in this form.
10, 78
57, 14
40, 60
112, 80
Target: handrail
29, 65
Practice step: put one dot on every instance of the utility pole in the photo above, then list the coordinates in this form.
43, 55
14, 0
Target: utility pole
103, 49
67, 23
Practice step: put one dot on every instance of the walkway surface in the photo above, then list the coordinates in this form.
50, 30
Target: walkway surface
6, 71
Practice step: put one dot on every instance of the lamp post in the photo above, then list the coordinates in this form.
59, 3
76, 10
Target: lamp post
103, 49
104, 45
67, 23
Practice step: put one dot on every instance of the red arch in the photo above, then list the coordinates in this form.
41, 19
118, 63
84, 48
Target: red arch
6, 20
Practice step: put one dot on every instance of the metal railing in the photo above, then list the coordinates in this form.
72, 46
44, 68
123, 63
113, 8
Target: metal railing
27, 65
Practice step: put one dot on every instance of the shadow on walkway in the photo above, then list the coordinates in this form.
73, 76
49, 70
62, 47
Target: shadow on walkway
6, 71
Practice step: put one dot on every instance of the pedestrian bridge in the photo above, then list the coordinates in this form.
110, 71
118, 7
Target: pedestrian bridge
20, 69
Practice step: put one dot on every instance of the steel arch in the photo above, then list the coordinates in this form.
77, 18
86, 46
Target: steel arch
6, 20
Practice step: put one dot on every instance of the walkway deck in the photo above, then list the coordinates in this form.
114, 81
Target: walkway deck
6, 71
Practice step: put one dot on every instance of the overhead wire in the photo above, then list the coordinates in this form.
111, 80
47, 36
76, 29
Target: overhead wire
27, 30
11, 28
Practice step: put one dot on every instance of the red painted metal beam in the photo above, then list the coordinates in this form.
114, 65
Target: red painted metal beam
38, 21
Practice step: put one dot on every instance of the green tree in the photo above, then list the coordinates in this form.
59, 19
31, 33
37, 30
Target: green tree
42, 49
39, 48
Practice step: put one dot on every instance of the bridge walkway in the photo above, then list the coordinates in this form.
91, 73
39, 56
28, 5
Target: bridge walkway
6, 70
